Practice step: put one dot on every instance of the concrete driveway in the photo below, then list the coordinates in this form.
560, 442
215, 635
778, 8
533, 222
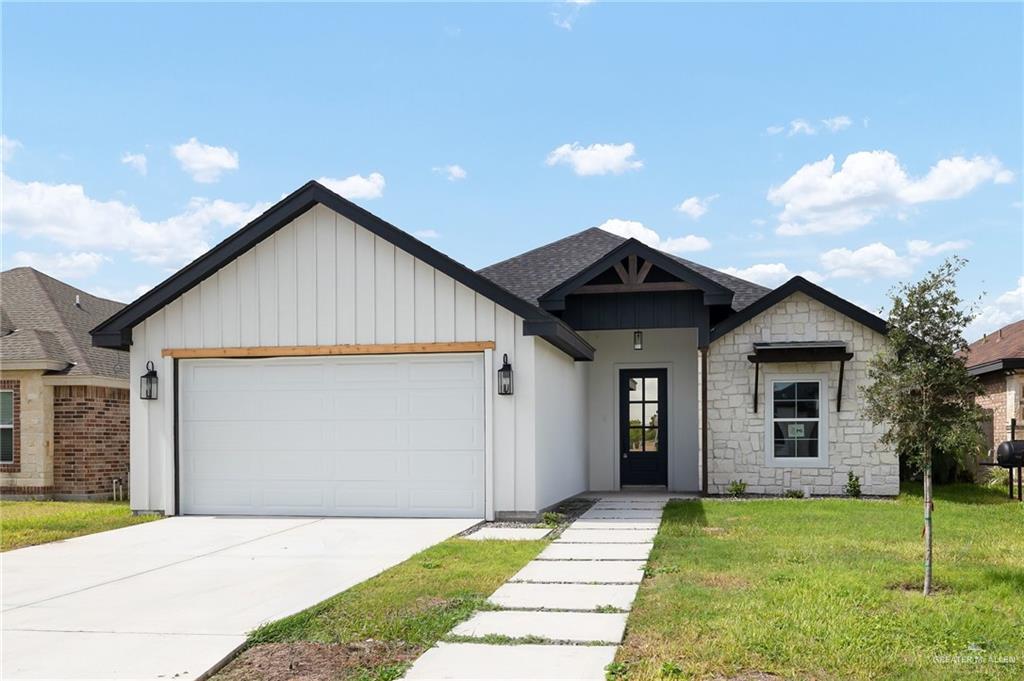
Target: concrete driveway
172, 598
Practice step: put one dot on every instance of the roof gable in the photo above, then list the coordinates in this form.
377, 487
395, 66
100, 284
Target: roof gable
116, 331
1004, 343
800, 285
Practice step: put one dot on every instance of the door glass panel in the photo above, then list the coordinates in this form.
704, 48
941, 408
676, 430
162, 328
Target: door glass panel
636, 414
651, 439
636, 439
635, 388
651, 389
651, 414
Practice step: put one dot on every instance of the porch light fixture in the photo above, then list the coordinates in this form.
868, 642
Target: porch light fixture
505, 377
147, 384
638, 340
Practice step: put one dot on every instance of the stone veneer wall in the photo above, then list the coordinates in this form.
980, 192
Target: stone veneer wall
736, 447
33, 472
90, 440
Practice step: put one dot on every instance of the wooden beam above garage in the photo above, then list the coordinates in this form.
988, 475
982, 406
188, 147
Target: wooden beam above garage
321, 350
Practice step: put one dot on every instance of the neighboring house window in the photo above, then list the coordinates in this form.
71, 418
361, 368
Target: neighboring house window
6, 426
796, 421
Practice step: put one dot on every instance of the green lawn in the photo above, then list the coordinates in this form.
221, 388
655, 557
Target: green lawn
26, 523
375, 629
829, 589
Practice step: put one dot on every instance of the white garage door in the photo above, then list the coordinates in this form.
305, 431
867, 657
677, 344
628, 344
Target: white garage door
383, 435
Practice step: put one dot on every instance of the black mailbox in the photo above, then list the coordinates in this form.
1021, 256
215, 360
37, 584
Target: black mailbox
1010, 454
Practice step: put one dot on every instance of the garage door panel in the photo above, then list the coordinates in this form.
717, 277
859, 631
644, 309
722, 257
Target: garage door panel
399, 435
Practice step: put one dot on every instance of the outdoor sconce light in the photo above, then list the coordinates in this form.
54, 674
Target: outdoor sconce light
147, 384
638, 340
505, 377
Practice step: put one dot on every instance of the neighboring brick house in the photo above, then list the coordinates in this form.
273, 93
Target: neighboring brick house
63, 403
998, 362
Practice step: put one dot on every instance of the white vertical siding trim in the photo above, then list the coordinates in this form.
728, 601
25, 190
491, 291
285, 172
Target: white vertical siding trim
484, 326
488, 435
266, 272
405, 297
326, 276
141, 450
425, 322
175, 335
209, 303
365, 296
504, 416
305, 279
248, 300
465, 313
525, 398
166, 457
384, 290
160, 434
444, 307
346, 264
193, 318
227, 282
287, 316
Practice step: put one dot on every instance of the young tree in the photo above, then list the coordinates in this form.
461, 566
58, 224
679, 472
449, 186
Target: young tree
920, 390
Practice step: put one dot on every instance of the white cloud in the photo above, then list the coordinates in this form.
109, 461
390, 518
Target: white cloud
205, 163
696, 206
920, 249
775, 129
820, 199
61, 265
565, 15
123, 295
596, 159
66, 215
799, 126
356, 186
631, 229
427, 234
837, 123
7, 148
874, 261
767, 274
1006, 308
453, 172
136, 162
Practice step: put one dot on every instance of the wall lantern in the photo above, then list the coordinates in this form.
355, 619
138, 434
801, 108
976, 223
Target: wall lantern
147, 384
638, 340
505, 377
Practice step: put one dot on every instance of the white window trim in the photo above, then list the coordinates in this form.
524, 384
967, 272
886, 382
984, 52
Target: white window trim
820, 461
10, 427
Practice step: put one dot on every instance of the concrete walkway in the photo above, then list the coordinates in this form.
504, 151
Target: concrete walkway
564, 614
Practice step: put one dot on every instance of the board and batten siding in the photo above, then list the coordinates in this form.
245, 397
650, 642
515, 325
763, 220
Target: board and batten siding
324, 280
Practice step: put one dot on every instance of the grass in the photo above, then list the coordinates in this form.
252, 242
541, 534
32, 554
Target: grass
830, 589
403, 611
27, 523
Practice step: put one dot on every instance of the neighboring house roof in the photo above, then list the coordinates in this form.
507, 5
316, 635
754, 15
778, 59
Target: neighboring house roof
799, 285
116, 331
40, 322
997, 351
532, 274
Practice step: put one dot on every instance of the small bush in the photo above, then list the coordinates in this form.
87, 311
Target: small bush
552, 519
994, 478
852, 485
794, 494
737, 488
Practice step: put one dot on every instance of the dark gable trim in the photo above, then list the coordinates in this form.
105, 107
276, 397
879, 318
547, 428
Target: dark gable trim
800, 285
714, 293
1001, 365
116, 332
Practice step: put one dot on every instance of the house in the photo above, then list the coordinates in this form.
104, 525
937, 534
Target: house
997, 360
63, 402
321, 361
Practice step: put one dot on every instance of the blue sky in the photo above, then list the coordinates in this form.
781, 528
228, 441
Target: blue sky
857, 145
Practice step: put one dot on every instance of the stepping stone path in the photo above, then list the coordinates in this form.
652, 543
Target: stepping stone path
575, 596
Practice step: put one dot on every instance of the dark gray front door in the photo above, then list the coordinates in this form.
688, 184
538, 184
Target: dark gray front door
643, 443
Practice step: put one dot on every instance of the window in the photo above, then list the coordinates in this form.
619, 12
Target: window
6, 426
643, 414
797, 429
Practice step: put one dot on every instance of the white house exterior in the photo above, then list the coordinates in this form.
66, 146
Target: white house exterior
321, 361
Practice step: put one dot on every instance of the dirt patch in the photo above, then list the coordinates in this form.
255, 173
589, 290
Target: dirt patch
307, 661
714, 530
750, 676
918, 586
719, 580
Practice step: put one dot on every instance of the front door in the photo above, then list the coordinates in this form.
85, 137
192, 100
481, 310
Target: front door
643, 441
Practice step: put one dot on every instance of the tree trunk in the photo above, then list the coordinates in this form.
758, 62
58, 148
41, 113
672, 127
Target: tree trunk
928, 525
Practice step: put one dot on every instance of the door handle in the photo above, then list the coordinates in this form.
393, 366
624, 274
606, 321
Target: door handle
625, 455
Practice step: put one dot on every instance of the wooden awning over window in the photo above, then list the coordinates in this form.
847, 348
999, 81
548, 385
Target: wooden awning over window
801, 351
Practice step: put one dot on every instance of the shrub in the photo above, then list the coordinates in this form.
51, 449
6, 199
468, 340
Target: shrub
794, 494
852, 485
737, 488
552, 519
994, 477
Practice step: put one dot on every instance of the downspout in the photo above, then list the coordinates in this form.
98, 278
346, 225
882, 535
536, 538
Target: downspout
704, 421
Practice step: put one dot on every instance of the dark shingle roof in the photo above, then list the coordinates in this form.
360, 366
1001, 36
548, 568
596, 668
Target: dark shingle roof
1005, 343
534, 273
40, 321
